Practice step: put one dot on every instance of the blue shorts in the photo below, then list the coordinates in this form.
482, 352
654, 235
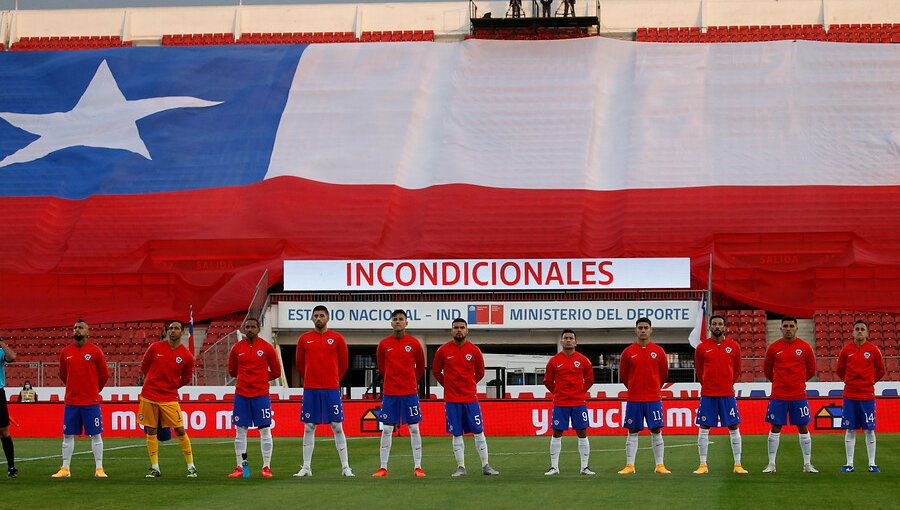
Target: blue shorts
397, 410
252, 411
859, 415
718, 412
562, 415
779, 411
636, 413
78, 418
321, 406
463, 418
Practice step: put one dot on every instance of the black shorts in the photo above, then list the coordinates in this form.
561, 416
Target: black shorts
4, 412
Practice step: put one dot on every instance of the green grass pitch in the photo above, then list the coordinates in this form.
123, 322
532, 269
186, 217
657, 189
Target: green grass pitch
521, 461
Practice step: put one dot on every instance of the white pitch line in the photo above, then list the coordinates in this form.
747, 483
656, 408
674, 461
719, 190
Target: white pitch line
86, 452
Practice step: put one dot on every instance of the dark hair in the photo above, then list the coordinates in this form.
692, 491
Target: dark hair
861, 321
643, 319
717, 316
459, 319
169, 324
568, 331
788, 318
399, 311
320, 308
254, 319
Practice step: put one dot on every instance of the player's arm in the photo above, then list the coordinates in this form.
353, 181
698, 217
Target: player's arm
624, 368
437, 366
479, 365
102, 370
663, 364
300, 360
810, 362
274, 365
550, 376
419, 356
233, 362
379, 358
769, 364
841, 369
343, 357
8, 354
147, 360
187, 372
63, 367
736, 361
698, 364
878, 362
587, 371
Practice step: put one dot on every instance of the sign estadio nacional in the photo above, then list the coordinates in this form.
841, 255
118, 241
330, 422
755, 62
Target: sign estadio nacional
486, 274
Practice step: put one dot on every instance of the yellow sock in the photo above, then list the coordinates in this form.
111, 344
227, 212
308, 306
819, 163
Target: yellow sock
153, 449
185, 442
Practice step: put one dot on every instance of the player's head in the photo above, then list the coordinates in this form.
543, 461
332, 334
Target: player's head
643, 328
320, 317
459, 329
717, 324
398, 321
174, 330
860, 330
567, 340
789, 327
80, 331
250, 329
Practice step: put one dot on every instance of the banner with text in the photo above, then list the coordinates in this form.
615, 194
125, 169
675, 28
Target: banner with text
501, 417
487, 274
495, 315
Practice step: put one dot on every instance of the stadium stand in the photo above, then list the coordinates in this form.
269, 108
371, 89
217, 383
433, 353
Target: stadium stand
857, 33
87, 42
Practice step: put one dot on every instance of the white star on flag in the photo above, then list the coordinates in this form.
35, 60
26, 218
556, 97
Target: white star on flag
103, 118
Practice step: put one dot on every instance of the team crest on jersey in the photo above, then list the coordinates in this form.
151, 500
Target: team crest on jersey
867, 355
703, 418
629, 421
383, 416
798, 352
653, 355
556, 422
577, 364
728, 350
87, 356
259, 353
330, 341
469, 357
237, 419
308, 415
408, 348
178, 359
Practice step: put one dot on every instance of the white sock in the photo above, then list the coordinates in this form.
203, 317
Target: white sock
481, 446
555, 448
68, 446
703, 444
631, 447
806, 447
340, 443
870, 446
737, 444
774, 439
584, 450
240, 444
266, 445
850, 445
415, 440
459, 450
387, 437
97, 450
659, 447
309, 443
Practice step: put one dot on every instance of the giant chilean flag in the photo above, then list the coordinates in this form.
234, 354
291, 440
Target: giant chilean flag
139, 181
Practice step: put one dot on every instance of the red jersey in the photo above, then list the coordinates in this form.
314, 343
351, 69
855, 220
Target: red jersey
789, 366
569, 378
718, 367
322, 360
643, 370
84, 372
165, 370
401, 363
860, 367
458, 369
254, 365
